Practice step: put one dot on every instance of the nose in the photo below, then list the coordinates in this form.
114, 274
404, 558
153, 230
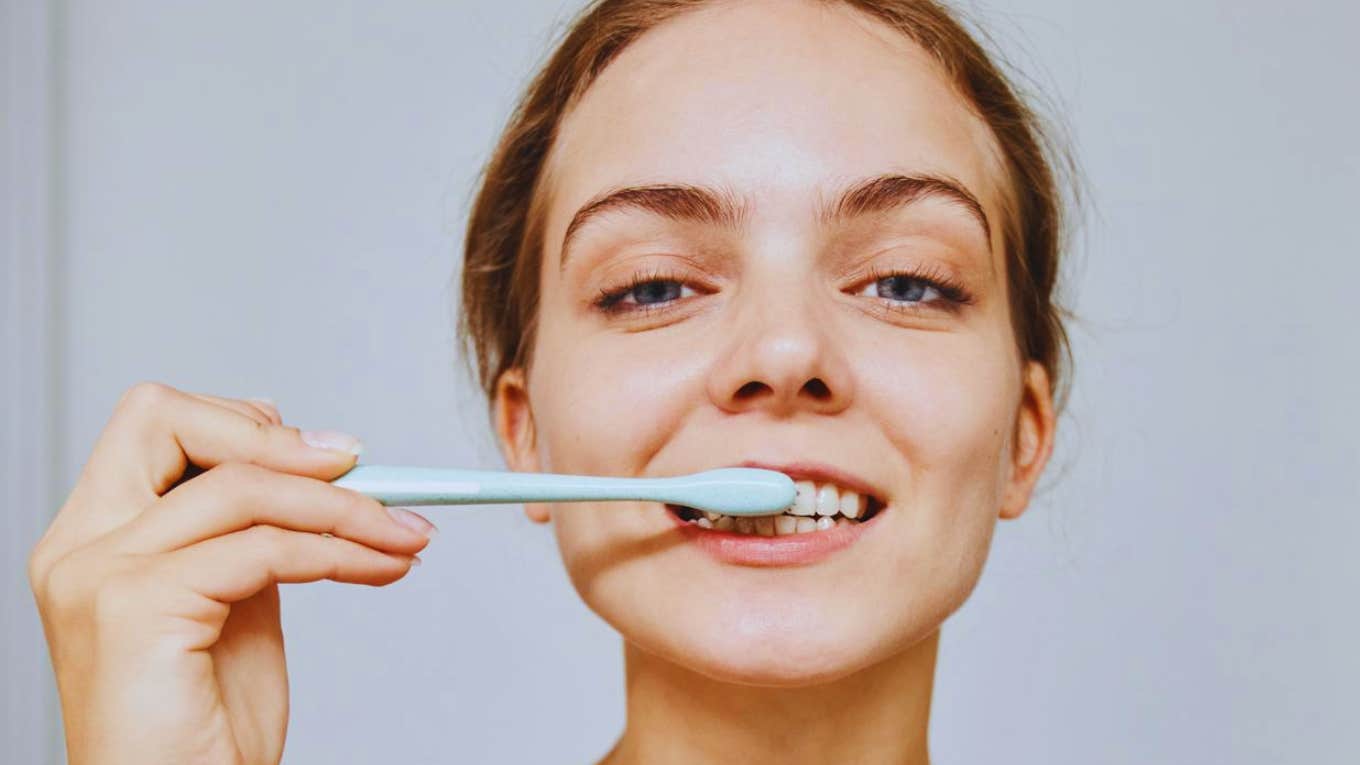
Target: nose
782, 362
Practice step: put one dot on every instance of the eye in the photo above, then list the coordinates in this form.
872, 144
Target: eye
903, 288
915, 290
644, 293
653, 292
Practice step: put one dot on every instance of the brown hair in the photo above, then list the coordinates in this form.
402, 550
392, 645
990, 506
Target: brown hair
504, 241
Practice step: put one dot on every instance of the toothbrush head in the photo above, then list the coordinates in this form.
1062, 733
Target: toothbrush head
735, 491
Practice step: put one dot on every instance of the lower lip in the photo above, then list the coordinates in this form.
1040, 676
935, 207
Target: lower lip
755, 550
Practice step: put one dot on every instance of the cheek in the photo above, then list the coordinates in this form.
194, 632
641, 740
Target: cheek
609, 551
946, 406
945, 402
606, 402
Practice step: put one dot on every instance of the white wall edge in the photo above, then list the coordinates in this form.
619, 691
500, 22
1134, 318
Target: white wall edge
29, 723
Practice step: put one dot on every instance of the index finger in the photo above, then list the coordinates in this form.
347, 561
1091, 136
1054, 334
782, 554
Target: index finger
156, 432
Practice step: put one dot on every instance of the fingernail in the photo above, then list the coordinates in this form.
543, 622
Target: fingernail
415, 522
415, 561
264, 400
332, 440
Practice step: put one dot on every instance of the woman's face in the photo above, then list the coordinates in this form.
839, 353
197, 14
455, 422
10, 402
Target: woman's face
806, 274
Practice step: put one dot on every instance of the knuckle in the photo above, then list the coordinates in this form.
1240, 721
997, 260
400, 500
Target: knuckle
145, 396
38, 566
264, 436
62, 585
355, 507
273, 436
283, 436
347, 521
236, 476
270, 541
335, 557
237, 487
88, 588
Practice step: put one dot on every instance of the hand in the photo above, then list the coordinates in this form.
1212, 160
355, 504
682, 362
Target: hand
159, 595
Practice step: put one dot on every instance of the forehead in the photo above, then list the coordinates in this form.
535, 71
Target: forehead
780, 102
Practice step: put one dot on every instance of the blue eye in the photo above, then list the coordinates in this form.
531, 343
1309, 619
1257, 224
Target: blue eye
656, 291
646, 293
903, 288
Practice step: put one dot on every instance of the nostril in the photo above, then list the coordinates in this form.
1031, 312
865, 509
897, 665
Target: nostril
817, 388
752, 389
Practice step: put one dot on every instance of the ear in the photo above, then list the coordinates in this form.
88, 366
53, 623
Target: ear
515, 431
1032, 443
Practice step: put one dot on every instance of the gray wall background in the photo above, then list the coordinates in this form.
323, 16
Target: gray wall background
267, 199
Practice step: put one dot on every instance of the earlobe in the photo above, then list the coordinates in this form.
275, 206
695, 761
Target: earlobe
515, 431
1035, 426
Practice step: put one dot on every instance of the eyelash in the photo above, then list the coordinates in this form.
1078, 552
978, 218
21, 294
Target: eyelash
609, 299
952, 293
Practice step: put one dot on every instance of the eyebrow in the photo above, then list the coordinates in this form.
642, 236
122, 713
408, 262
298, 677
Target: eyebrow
684, 202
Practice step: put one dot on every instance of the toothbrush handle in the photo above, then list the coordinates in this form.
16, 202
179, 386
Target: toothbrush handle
392, 485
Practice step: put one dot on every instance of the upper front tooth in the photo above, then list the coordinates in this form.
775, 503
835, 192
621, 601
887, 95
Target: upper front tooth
806, 501
852, 503
828, 500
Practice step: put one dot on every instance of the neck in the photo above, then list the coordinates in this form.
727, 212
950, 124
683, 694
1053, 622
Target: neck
878, 714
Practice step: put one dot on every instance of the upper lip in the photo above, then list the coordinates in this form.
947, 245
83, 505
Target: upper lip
819, 472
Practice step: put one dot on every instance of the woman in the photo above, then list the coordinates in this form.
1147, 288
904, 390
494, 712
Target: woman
815, 236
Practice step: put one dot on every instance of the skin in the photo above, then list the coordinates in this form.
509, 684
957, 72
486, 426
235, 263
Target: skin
159, 595
157, 587
772, 346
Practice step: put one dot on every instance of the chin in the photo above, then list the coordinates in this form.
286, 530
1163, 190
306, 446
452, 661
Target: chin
789, 644
774, 671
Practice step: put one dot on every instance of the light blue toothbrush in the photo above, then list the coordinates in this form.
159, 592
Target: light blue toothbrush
730, 491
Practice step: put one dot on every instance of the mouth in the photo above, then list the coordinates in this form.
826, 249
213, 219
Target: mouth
830, 512
818, 507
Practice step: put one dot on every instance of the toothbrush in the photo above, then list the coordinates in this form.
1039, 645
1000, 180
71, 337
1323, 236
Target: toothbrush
730, 491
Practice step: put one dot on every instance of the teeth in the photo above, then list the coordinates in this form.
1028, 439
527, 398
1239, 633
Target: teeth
815, 508
852, 504
765, 525
828, 500
806, 501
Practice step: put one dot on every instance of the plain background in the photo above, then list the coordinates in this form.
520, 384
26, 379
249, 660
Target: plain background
267, 199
